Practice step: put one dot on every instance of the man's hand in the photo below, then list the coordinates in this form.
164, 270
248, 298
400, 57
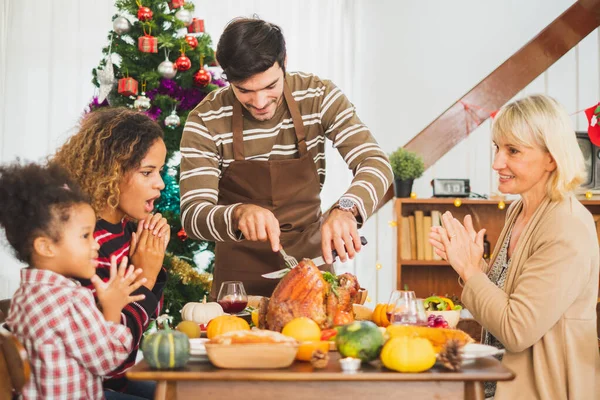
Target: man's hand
147, 252
114, 294
257, 224
340, 232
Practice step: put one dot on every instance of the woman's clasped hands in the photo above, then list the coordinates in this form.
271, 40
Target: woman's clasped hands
459, 244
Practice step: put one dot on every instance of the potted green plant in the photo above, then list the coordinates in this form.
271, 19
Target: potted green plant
406, 166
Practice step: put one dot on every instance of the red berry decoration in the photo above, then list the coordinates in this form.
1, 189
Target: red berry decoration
202, 77
192, 41
144, 14
182, 235
183, 63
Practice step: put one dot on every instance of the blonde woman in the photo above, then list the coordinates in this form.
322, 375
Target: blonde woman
537, 297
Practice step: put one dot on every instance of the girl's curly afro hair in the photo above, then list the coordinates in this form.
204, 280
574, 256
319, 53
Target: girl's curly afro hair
36, 200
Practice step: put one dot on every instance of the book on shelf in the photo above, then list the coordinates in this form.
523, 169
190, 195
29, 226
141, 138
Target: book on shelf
419, 234
427, 247
436, 220
413, 237
414, 231
405, 239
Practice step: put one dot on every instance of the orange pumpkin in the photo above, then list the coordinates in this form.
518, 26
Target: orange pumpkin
380, 315
224, 324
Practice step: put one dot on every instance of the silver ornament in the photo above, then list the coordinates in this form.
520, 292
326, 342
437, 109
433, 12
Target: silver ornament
184, 16
121, 25
167, 69
142, 103
215, 72
172, 121
106, 78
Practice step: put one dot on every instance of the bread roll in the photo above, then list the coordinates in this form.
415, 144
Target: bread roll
362, 313
253, 336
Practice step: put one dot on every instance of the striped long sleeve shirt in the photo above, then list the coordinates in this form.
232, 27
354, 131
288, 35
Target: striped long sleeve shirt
207, 151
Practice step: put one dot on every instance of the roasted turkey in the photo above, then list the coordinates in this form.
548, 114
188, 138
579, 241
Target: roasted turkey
307, 292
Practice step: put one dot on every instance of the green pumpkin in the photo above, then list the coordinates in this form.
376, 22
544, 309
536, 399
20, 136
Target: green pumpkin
360, 339
166, 349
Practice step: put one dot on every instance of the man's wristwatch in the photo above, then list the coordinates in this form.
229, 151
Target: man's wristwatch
346, 204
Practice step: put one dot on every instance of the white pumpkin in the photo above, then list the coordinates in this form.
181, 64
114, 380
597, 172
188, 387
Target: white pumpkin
201, 313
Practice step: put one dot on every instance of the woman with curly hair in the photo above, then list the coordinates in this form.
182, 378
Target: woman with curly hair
116, 157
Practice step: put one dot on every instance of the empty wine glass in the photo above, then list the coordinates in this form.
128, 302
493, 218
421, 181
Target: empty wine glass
409, 311
394, 296
232, 297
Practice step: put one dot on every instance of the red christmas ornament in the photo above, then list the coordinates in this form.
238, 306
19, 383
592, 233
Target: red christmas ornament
148, 44
175, 4
128, 86
183, 63
144, 14
197, 26
192, 41
202, 77
182, 235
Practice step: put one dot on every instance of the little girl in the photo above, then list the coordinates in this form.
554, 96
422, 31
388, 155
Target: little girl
116, 157
70, 343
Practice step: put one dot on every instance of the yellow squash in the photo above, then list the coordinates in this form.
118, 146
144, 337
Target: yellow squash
407, 354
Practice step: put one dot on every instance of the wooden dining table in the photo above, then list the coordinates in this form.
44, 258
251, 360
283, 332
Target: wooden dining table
301, 381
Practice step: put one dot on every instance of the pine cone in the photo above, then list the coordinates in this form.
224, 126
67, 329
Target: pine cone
451, 355
319, 359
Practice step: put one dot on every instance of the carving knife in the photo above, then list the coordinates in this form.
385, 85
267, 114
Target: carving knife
318, 261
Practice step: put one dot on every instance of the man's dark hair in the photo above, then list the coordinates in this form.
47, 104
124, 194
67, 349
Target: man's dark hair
249, 46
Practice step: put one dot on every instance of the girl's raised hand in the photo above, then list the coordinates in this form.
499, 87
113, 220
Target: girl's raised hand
115, 293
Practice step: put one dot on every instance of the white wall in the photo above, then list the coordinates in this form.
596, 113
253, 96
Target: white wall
415, 59
46, 58
400, 62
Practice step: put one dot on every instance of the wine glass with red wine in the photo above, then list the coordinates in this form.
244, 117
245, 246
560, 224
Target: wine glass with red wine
232, 297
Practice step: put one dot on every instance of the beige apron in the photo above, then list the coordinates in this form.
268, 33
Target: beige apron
288, 188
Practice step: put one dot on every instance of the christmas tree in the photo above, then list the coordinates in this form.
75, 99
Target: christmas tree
146, 35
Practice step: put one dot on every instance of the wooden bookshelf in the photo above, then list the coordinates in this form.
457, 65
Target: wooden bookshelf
428, 277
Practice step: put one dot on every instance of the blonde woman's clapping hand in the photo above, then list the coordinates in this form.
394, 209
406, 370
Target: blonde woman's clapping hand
458, 244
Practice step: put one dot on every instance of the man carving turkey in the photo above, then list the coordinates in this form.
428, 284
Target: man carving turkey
253, 163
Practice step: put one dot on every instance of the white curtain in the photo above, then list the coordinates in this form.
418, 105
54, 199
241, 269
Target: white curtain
45, 69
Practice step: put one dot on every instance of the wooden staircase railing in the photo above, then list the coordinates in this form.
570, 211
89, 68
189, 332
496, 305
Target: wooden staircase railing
564, 33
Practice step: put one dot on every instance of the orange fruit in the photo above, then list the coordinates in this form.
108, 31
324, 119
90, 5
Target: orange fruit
255, 317
306, 349
302, 329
